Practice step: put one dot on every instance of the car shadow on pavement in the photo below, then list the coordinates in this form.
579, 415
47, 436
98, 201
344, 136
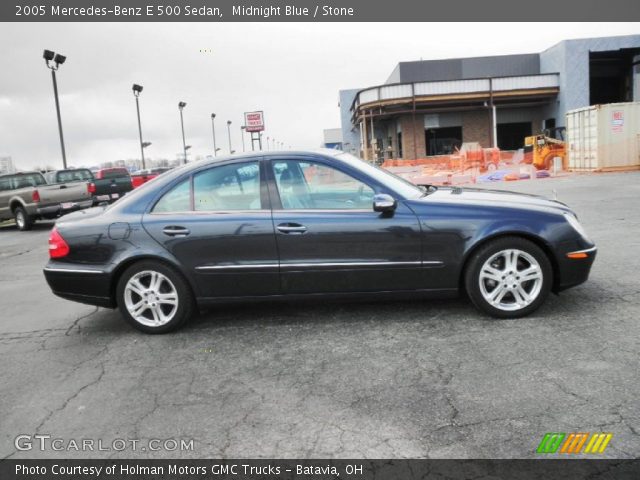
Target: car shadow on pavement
38, 226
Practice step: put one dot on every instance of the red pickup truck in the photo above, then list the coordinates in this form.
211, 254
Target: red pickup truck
143, 176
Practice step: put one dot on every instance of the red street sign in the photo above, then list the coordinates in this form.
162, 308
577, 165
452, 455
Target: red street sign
254, 121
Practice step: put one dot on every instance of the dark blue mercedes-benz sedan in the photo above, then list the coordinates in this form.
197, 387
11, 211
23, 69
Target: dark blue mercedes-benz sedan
298, 224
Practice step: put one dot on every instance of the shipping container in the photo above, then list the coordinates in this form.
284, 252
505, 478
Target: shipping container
604, 137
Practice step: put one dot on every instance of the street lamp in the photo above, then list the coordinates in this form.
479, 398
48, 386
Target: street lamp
181, 106
213, 130
229, 133
242, 129
137, 90
58, 60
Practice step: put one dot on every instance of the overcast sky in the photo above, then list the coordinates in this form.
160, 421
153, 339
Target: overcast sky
291, 71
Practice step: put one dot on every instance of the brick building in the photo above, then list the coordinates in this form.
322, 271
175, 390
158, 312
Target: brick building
430, 107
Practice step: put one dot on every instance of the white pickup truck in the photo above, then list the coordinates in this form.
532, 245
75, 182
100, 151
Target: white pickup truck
27, 197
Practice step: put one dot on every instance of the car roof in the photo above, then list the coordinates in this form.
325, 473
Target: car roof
326, 152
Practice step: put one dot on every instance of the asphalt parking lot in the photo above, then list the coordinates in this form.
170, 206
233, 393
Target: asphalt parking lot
344, 380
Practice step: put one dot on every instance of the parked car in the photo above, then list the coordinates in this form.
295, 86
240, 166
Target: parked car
143, 176
27, 197
106, 185
110, 184
296, 225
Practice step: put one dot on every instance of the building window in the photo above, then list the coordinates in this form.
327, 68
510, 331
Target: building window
511, 135
443, 141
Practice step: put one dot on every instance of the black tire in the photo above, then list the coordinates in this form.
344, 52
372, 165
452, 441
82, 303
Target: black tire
484, 253
186, 303
24, 221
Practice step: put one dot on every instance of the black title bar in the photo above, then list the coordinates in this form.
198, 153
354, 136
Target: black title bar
317, 11
317, 469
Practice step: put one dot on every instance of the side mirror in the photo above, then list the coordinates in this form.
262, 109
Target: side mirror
384, 203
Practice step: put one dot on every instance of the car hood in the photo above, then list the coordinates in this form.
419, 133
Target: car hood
492, 198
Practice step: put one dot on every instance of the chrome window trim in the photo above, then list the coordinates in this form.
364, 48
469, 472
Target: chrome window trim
211, 212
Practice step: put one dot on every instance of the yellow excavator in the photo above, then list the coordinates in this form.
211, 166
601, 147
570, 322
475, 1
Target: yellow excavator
540, 150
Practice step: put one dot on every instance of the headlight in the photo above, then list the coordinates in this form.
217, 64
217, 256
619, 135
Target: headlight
573, 221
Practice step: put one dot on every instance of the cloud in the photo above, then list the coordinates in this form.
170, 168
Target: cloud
291, 71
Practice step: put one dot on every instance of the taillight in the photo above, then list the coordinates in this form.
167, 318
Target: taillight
91, 188
35, 196
57, 246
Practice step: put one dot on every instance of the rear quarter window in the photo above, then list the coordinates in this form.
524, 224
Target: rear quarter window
178, 199
5, 184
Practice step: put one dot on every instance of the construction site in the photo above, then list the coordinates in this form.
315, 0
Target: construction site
573, 107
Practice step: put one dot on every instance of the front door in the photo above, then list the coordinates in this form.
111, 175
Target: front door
217, 223
329, 238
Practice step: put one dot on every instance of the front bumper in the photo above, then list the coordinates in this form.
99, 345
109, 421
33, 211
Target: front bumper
575, 266
85, 285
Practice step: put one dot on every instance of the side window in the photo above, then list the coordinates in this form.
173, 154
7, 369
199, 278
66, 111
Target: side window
178, 199
5, 184
228, 187
306, 185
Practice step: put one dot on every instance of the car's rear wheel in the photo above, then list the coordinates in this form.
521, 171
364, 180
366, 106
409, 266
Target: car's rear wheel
509, 277
23, 220
154, 298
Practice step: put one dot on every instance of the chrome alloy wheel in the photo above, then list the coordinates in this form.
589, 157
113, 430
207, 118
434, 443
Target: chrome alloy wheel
20, 220
510, 280
151, 298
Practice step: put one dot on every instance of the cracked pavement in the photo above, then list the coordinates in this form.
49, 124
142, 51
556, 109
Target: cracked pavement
420, 379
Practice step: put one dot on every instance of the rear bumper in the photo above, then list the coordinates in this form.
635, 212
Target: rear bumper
84, 285
58, 209
108, 198
574, 271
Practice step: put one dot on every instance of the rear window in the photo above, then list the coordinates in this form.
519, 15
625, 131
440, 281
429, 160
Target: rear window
113, 173
67, 176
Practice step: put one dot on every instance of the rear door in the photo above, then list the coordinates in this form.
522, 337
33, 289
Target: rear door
329, 238
217, 223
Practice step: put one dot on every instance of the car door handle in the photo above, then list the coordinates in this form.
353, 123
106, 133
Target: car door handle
291, 228
175, 231
62, 186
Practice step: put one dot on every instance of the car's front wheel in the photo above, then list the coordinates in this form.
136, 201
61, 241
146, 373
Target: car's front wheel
154, 298
509, 277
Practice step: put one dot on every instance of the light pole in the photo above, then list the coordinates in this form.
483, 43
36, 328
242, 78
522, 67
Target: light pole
242, 129
213, 130
268, 138
229, 133
181, 105
137, 90
58, 59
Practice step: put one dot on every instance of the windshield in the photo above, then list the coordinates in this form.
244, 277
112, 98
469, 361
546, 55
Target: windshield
114, 173
400, 185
